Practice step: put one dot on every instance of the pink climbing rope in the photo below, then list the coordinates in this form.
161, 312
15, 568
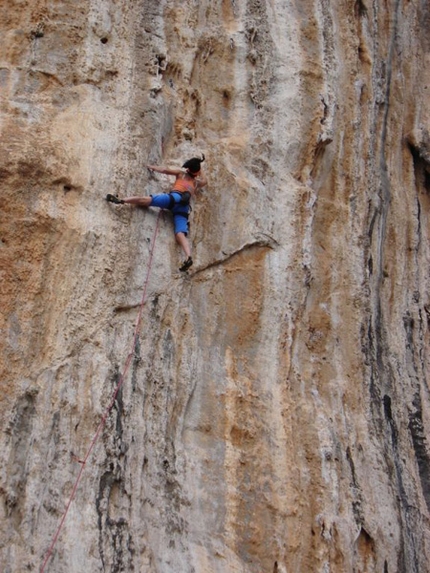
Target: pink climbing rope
112, 401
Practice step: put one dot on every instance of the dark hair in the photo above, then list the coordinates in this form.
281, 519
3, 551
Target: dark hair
193, 165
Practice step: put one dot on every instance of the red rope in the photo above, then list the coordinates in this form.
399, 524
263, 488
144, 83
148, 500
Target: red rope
112, 401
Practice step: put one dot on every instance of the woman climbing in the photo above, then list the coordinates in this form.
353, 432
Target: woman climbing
177, 201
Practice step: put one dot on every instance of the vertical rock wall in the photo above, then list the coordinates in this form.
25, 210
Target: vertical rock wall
275, 414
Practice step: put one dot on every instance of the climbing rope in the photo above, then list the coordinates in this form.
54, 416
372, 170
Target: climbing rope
112, 401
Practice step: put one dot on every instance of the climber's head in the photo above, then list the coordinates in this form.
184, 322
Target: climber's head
193, 165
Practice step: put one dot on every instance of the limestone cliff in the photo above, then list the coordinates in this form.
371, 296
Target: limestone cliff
275, 414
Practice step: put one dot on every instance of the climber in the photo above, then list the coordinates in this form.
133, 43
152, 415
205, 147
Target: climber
177, 200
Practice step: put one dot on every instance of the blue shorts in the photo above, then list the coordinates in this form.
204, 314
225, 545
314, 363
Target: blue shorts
180, 212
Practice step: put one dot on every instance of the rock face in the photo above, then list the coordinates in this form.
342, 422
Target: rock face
275, 412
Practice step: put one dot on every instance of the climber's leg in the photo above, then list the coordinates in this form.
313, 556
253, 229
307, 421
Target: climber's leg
138, 201
162, 200
182, 240
180, 221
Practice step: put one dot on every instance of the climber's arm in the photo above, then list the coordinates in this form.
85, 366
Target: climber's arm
164, 170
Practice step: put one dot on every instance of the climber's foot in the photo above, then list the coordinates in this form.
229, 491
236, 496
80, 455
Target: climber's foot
114, 199
186, 264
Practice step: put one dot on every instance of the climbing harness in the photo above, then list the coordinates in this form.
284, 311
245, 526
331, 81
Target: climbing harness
114, 396
184, 200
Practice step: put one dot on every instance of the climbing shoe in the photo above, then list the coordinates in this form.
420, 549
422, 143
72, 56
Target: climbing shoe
186, 264
114, 199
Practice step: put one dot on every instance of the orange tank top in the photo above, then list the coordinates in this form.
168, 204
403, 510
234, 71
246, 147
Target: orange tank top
182, 185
